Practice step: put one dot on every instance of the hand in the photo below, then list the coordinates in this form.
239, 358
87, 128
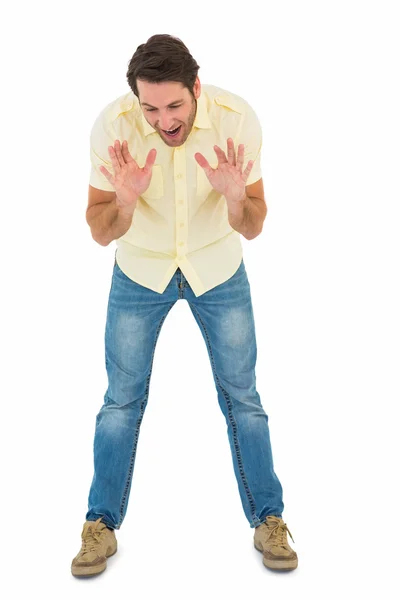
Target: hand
129, 180
227, 178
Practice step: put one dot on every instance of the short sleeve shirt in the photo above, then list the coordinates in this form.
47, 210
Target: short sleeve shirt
180, 220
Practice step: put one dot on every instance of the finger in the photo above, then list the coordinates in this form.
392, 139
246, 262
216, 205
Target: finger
150, 160
203, 162
221, 155
107, 174
125, 153
248, 169
231, 152
240, 157
114, 159
117, 148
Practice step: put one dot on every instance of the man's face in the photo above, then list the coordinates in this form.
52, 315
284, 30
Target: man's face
169, 105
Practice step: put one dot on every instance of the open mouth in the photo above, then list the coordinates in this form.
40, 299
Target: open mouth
172, 132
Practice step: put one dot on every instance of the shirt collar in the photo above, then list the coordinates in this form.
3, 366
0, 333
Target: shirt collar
202, 120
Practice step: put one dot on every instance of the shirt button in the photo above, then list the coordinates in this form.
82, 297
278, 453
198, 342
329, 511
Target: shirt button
179, 176
181, 224
180, 201
181, 243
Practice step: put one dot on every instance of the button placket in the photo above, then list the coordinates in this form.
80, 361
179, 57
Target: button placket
180, 197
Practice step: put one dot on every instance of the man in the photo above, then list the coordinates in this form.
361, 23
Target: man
175, 180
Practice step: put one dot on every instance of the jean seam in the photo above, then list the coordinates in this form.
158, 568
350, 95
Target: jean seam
139, 421
233, 424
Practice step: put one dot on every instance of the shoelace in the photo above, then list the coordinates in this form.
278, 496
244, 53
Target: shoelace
278, 531
91, 539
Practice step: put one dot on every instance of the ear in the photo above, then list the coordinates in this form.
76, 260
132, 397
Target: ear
197, 88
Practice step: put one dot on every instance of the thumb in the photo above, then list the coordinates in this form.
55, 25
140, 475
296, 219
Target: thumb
150, 160
203, 162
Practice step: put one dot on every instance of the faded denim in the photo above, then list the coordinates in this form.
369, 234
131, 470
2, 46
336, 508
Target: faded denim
135, 315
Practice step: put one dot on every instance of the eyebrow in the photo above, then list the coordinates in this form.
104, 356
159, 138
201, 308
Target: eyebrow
172, 103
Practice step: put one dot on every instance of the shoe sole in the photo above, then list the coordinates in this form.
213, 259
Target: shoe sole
89, 571
287, 565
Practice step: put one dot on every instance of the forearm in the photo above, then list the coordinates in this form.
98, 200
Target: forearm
108, 222
248, 217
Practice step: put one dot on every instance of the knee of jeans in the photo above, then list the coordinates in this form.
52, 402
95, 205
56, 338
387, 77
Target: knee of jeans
125, 390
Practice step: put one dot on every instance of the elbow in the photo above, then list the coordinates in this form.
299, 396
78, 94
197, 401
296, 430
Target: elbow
99, 240
252, 237
254, 234
103, 243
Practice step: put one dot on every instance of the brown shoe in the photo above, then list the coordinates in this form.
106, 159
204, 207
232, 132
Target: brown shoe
271, 539
98, 543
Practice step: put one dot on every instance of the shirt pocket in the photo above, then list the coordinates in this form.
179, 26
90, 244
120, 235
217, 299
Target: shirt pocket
155, 191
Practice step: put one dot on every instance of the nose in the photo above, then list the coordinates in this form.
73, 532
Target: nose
166, 123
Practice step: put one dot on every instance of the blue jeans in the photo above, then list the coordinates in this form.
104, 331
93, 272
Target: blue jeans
135, 315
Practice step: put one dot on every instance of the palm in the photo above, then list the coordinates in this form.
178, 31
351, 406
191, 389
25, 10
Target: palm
129, 180
228, 178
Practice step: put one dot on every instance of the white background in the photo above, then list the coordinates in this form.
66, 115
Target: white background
323, 78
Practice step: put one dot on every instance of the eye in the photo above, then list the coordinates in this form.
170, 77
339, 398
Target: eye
153, 109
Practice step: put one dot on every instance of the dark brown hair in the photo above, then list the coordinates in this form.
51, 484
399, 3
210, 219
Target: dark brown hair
162, 58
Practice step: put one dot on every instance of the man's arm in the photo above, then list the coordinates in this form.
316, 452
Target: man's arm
107, 222
250, 218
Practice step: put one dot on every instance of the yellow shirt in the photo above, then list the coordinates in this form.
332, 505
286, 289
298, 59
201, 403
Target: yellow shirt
180, 220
